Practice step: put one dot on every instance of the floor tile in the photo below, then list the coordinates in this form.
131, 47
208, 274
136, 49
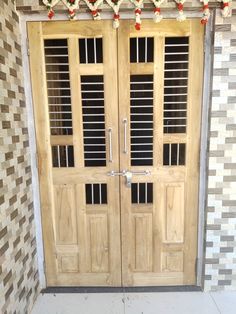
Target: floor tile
170, 303
226, 301
108, 303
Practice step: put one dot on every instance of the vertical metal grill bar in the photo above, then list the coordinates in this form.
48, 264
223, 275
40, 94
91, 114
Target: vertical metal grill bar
177, 154
170, 154
86, 50
145, 49
92, 194
67, 161
138, 193
95, 50
100, 194
146, 185
58, 156
137, 47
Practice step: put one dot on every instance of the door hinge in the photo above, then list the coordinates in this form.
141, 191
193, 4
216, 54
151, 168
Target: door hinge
27, 46
196, 266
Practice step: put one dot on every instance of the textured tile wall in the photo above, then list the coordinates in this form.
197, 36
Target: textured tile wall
220, 264
18, 267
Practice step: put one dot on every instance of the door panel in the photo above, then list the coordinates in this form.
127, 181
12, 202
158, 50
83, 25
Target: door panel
117, 115
77, 146
159, 232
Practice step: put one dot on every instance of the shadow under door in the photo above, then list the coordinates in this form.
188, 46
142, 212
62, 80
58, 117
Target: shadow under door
117, 117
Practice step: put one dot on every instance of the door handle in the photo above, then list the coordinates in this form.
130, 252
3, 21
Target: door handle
125, 122
116, 173
128, 175
110, 144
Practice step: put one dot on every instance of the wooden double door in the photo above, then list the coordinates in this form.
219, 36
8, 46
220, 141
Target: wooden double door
117, 116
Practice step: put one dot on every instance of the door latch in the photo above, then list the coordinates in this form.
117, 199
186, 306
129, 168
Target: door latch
128, 175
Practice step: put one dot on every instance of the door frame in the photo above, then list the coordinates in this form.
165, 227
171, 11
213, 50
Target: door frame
206, 105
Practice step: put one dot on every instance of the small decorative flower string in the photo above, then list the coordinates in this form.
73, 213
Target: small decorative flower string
206, 12
157, 10
180, 5
115, 5
225, 8
72, 5
93, 7
138, 5
50, 4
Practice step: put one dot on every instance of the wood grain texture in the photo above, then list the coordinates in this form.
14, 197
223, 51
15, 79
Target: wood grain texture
159, 245
39, 88
118, 243
82, 245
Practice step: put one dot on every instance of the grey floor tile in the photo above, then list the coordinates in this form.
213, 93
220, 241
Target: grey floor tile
108, 303
226, 301
170, 303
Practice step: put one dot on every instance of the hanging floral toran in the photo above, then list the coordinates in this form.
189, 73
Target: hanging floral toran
93, 5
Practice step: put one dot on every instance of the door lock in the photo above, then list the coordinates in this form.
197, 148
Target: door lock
128, 175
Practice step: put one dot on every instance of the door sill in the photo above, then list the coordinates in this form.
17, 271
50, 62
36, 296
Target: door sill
120, 289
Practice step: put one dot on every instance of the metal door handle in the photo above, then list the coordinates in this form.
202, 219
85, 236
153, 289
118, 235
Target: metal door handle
110, 145
143, 173
116, 173
125, 122
128, 175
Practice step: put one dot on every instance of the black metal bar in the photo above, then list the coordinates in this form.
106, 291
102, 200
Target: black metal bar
120, 289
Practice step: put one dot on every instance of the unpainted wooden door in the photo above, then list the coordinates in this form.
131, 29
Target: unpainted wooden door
117, 117
74, 81
160, 80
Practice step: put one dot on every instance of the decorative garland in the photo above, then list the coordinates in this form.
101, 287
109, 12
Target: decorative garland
93, 6
206, 12
157, 10
72, 5
138, 10
50, 4
225, 7
180, 6
115, 5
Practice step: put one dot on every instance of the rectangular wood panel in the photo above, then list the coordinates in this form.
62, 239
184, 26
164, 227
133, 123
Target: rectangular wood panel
174, 212
68, 263
172, 262
65, 212
143, 242
98, 242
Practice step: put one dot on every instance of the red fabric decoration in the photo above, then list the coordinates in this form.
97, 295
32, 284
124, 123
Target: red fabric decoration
157, 10
180, 6
51, 14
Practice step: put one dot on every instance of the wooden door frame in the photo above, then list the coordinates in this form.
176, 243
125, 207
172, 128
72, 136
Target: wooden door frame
24, 19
